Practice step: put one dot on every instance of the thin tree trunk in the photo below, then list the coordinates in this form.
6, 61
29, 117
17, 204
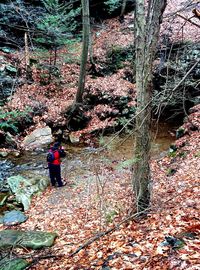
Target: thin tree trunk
50, 65
86, 33
55, 56
27, 58
146, 38
123, 10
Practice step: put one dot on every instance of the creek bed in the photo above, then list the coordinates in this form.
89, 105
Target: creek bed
78, 160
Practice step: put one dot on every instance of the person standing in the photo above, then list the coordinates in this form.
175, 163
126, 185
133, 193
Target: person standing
54, 164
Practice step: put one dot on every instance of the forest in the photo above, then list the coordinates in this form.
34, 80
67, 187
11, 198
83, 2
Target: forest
99, 134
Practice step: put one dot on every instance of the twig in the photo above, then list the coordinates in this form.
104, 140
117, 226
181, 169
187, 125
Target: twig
181, 81
189, 71
132, 118
98, 236
188, 20
42, 257
38, 258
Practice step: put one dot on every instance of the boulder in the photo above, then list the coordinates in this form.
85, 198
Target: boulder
13, 264
14, 217
15, 153
74, 138
3, 154
38, 138
24, 187
29, 239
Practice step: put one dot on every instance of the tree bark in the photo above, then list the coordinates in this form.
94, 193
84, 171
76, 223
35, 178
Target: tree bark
27, 58
123, 10
147, 29
85, 46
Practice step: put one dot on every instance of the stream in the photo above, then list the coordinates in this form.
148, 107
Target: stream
80, 159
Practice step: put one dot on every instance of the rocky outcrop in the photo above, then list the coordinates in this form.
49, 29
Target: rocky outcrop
24, 187
7, 78
173, 93
38, 138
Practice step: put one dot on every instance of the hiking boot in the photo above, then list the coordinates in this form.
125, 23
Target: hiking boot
63, 184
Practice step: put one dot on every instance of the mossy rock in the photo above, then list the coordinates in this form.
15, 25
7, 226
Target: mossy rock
29, 239
24, 187
180, 133
13, 264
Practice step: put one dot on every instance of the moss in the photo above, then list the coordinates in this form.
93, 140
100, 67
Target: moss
116, 56
171, 171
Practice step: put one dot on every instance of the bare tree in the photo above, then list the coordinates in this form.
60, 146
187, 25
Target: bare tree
85, 47
27, 58
147, 27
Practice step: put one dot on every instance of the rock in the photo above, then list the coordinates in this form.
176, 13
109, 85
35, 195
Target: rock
196, 100
175, 243
3, 197
1, 220
74, 138
25, 186
29, 239
15, 153
3, 154
13, 264
10, 140
125, 111
180, 132
65, 135
14, 218
11, 69
38, 138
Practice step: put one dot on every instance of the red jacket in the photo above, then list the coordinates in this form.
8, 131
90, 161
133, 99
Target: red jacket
57, 160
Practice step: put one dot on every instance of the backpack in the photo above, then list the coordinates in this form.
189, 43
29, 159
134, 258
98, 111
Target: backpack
50, 156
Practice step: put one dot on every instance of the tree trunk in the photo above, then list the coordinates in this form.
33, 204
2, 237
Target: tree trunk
27, 58
86, 33
123, 8
146, 38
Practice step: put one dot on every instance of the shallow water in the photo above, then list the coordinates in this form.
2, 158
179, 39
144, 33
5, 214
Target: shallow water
81, 160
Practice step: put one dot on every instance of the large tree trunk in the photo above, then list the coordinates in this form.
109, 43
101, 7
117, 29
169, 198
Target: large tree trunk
86, 34
146, 37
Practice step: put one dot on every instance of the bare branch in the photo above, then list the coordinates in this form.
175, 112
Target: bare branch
188, 19
96, 237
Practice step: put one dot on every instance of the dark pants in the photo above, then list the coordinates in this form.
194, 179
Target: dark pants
55, 174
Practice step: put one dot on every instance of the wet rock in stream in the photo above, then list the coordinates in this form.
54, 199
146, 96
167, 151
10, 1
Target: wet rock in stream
5, 171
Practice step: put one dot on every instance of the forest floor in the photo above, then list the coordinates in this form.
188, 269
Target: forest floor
102, 199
